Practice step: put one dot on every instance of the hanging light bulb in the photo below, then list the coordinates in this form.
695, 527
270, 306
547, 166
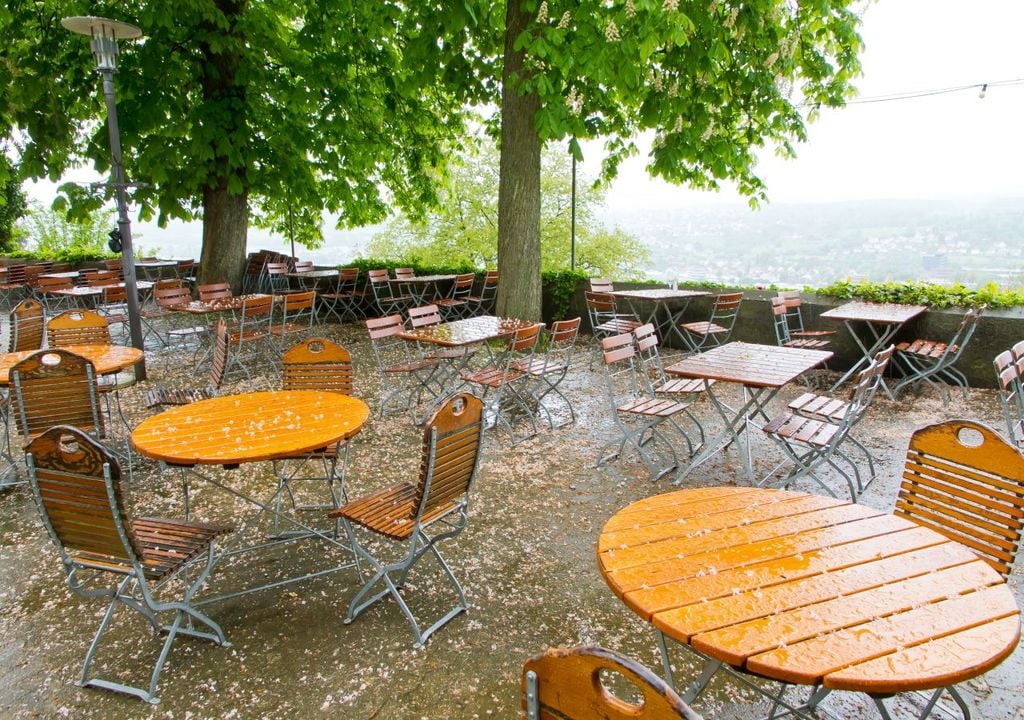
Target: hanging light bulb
981, 95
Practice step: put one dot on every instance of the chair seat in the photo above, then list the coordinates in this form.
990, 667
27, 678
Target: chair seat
188, 331
618, 326
166, 545
653, 407
678, 386
177, 396
493, 377
807, 343
812, 333
452, 353
802, 429
537, 367
391, 511
704, 328
288, 329
820, 405
450, 302
925, 348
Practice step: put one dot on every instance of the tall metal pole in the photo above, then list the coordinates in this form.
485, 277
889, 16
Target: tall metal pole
572, 236
105, 33
123, 223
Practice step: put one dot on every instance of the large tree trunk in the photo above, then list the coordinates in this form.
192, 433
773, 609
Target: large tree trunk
225, 227
519, 292
225, 214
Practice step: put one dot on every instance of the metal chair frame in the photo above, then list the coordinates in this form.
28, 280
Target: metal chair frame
1011, 393
484, 302
456, 304
606, 321
438, 504
398, 361
344, 300
549, 370
253, 328
921, 363
27, 321
384, 298
69, 471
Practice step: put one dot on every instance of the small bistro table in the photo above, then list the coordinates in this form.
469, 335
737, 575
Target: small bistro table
468, 331
251, 427
807, 590
881, 320
762, 370
419, 285
105, 359
674, 303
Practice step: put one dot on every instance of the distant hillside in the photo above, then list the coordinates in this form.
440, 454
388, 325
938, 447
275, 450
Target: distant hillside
973, 241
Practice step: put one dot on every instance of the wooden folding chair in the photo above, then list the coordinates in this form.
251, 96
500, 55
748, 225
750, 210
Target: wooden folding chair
345, 298
931, 360
457, 304
171, 396
1010, 384
503, 385
168, 322
793, 303
385, 299
786, 334
636, 412
811, 440
717, 329
50, 291
77, 487
250, 337
316, 364
276, 277
605, 320
295, 316
572, 684
484, 302
421, 516
549, 369
26, 326
214, 291
404, 373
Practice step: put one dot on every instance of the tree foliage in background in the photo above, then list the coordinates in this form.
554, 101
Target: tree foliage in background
12, 203
464, 228
48, 234
713, 79
232, 109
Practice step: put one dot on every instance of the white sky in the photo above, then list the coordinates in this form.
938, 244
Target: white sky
947, 145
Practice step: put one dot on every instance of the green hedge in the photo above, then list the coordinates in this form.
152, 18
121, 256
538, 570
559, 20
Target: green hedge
922, 293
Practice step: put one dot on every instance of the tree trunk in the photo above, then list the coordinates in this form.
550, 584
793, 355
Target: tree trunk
519, 291
225, 227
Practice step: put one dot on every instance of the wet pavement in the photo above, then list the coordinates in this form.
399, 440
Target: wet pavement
527, 563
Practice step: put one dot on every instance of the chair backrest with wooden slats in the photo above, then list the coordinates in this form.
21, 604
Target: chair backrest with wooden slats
600, 306
115, 264
404, 273
304, 266
78, 327
388, 348
964, 481
53, 284
524, 340
463, 285
452, 443
317, 364
166, 283
214, 291
424, 316
297, 305
55, 387
77, 486
781, 320
32, 273
221, 349
601, 285
578, 684
725, 309
622, 380
172, 297
26, 326
380, 284
184, 268
649, 354
103, 277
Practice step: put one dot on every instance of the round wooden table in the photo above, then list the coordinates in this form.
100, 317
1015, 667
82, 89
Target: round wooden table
809, 590
105, 359
250, 427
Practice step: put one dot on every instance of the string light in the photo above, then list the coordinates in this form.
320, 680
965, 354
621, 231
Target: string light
914, 94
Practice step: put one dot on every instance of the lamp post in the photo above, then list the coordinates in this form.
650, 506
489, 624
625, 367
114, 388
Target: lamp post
105, 34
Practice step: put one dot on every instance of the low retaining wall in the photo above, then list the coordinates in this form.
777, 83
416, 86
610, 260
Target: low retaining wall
997, 331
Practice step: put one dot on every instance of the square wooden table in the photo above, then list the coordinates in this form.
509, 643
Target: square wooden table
880, 320
667, 308
419, 286
807, 590
762, 370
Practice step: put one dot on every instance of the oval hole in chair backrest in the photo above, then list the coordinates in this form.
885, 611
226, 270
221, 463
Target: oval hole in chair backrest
458, 406
69, 448
75, 315
315, 346
969, 437
51, 359
620, 688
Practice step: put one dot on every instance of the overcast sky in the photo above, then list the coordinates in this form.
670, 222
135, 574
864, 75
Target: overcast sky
941, 146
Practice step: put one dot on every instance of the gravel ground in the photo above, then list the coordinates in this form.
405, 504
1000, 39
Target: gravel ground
526, 561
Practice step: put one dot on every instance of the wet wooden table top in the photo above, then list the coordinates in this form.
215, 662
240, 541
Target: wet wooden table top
659, 294
104, 358
201, 307
807, 589
749, 364
312, 274
422, 279
250, 427
886, 313
466, 332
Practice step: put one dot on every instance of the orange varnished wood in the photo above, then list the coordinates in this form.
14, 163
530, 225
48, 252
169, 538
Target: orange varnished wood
835, 594
570, 687
250, 427
104, 358
750, 364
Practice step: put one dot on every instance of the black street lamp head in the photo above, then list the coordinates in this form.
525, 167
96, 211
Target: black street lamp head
105, 34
